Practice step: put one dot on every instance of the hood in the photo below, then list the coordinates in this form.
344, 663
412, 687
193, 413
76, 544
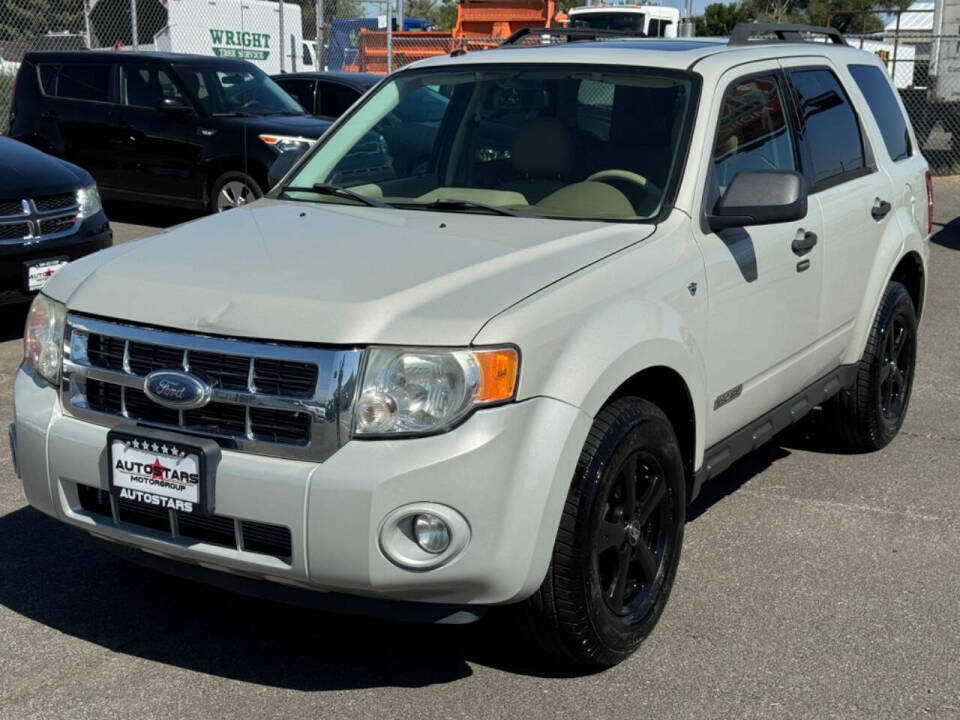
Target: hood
27, 172
297, 125
337, 274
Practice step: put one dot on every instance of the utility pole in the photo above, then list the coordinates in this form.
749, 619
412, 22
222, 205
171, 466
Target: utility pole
133, 25
281, 36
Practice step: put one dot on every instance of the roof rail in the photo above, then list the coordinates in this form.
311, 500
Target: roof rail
571, 34
743, 32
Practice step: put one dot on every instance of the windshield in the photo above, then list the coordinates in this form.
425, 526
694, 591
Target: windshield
623, 21
551, 141
236, 91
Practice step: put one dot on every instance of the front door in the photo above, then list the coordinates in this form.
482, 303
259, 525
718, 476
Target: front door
764, 296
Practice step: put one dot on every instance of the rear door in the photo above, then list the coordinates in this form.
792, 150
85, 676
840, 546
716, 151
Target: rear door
156, 158
764, 298
852, 194
80, 106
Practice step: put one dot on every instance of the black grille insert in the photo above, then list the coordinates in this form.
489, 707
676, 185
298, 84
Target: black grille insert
56, 202
11, 207
258, 537
56, 225
14, 231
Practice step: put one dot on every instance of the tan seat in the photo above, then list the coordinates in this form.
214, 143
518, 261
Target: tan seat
543, 158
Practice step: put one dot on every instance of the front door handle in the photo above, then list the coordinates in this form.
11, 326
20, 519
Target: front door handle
880, 209
803, 242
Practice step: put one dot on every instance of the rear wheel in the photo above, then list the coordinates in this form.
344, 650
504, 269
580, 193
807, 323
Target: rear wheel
871, 412
232, 190
618, 546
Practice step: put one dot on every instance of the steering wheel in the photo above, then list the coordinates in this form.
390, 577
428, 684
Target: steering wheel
629, 176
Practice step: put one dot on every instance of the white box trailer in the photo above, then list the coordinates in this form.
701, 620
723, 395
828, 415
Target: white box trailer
945, 52
245, 29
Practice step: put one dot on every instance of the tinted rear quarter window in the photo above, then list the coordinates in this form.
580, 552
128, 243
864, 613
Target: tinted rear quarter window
828, 125
886, 111
336, 98
84, 82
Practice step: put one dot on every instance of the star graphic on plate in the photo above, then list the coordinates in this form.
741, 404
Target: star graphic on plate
156, 470
155, 447
135, 443
175, 451
164, 449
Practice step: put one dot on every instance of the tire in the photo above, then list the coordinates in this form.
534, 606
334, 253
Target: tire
575, 615
871, 412
233, 189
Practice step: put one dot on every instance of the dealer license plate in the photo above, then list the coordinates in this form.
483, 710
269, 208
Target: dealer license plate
159, 472
39, 273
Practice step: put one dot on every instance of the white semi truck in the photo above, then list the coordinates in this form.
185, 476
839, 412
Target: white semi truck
247, 29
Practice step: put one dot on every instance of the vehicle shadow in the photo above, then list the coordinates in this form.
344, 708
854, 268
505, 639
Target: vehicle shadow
52, 576
12, 318
814, 433
948, 235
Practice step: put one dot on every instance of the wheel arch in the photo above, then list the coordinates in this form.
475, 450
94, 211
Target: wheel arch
213, 169
666, 388
910, 273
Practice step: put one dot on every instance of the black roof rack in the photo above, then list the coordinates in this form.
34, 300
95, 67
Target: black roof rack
743, 32
571, 34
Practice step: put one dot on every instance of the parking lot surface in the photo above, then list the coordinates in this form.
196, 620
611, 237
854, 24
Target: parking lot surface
813, 584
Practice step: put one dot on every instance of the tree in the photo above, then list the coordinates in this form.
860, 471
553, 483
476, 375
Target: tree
30, 19
442, 13
719, 19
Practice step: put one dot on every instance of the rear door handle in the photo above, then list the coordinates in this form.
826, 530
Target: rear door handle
48, 115
880, 209
803, 242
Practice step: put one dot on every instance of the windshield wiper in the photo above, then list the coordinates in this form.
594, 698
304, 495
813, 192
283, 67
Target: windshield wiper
336, 191
234, 113
455, 204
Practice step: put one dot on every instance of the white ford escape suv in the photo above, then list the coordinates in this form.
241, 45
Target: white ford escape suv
598, 274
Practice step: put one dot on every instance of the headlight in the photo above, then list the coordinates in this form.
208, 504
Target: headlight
424, 391
88, 198
282, 143
43, 338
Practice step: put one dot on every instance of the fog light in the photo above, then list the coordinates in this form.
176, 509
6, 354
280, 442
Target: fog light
431, 532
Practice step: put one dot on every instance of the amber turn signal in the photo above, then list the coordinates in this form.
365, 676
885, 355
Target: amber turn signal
498, 374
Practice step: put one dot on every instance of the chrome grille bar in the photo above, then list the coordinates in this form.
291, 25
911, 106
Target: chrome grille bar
325, 411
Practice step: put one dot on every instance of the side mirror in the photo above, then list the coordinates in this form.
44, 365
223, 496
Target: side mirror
173, 105
760, 197
281, 166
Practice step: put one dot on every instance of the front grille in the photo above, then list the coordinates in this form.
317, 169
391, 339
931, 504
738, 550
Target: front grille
11, 207
57, 224
246, 535
269, 399
14, 231
38, 218
56, 202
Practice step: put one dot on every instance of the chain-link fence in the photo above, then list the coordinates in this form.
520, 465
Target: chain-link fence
375, 36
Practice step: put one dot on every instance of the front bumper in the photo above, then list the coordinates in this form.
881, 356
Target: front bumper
94, 234
506, 470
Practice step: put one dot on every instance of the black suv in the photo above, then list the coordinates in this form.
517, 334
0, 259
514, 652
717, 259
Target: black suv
174, 129
50, 214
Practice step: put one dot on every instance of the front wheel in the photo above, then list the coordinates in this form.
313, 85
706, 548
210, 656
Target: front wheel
618, 546
232, 190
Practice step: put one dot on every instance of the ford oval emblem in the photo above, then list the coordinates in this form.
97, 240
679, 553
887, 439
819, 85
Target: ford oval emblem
177, 389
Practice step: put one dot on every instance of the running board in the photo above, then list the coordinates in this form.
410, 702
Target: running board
723, 454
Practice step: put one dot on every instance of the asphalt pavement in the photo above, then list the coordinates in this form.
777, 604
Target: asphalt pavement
813, 584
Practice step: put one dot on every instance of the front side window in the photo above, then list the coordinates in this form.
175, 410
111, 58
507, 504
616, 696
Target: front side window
752, 132
886, 111
828, 126
557, 141
236, 91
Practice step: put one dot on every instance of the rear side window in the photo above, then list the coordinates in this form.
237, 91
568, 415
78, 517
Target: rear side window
828, 126
299, 90
886, 111
752, 132
84, 82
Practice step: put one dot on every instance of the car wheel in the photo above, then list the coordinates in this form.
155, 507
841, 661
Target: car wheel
233, 190
618, 546
872, 411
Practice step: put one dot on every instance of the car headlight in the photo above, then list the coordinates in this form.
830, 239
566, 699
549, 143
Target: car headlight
88, 198
43, 338
409, 391
282, 143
